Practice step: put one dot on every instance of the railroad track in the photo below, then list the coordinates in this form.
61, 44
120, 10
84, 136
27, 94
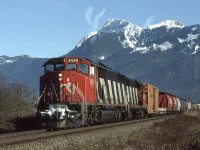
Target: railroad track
21, 137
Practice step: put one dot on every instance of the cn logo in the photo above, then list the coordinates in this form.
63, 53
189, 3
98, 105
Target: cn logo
70, 88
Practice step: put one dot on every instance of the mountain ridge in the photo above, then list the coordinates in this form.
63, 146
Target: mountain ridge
141, 40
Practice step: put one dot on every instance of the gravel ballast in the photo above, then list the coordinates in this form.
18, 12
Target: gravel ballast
107, 138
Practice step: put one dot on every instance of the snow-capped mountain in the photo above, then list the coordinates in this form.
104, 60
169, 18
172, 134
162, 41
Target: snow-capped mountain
129, 30
162, 54
123, 34
6, 60
118, 34
168, 24
117, 25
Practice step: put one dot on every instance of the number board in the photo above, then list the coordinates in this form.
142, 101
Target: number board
73, 60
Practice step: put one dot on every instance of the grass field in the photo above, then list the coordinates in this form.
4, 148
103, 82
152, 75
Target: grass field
179, 133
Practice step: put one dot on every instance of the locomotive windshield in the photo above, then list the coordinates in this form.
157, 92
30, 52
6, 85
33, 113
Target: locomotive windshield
59, 67
71, 67
49, 68
54, 67
83, 68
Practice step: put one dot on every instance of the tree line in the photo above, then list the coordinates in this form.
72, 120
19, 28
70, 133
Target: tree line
16, 101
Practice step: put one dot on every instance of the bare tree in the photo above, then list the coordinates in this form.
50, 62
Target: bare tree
16, 101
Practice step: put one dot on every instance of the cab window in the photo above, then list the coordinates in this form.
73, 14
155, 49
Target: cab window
59, 67
54, 67
71, 67
83, 68
92, 70
49, 68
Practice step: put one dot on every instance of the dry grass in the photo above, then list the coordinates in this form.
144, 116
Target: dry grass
192, 113
180, 133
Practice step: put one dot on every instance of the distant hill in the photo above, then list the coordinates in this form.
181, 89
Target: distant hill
22, 69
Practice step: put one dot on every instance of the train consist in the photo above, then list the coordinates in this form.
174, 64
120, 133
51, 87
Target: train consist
76, 91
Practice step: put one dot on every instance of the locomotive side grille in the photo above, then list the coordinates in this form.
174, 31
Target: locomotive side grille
112, 92
136, 95
131, 96
124, 100
119, 92
115, 92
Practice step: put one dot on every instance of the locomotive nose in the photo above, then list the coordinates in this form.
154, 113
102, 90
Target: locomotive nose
51, 86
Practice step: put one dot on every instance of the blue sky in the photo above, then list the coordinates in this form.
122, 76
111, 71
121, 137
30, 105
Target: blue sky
51, 28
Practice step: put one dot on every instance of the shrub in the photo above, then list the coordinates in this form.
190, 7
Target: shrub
16, 101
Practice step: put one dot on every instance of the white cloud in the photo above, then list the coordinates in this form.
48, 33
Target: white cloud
149, 21
93, 22
88, 15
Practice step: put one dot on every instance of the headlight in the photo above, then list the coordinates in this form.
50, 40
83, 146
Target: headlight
60, 74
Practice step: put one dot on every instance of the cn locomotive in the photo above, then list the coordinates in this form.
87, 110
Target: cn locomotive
76, 91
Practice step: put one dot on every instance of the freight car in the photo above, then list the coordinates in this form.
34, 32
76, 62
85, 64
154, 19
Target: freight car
194, 107
198, 107
170, 104
76, 91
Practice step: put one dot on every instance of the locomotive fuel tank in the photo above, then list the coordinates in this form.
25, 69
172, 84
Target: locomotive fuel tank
105, 115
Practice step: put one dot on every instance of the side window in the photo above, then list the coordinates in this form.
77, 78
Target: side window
92, 70
49, 68
83, 68
71, 67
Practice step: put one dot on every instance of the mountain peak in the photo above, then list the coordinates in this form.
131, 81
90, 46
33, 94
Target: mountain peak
118, 25
7, 59
168, 24
129, 30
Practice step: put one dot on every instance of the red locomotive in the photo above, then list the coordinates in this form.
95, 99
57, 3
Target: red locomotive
76, 91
